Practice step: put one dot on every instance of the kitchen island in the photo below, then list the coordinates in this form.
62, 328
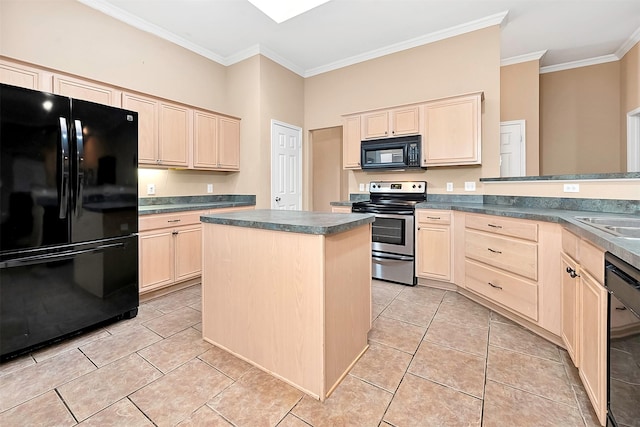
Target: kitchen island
289, 292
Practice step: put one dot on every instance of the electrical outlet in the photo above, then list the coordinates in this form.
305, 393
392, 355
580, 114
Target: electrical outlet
209, 188
151, 189
366, 187
361, 187
470, 186
571, 188
449, 186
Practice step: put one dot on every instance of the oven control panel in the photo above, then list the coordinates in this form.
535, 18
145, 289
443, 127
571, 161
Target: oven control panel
398, 187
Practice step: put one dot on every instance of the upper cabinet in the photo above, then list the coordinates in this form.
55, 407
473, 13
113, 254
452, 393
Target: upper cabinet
452, 132
390, 123
20, 75
147, 110
351, 142
87, 91
216, 142
174, 134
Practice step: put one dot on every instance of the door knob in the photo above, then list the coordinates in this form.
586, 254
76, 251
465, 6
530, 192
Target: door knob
277, 199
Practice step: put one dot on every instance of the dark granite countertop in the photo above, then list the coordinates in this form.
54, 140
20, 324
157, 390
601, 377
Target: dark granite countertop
157, 205
626, 249
291, 221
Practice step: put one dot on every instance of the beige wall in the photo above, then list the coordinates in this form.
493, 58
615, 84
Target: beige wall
520, 100
580, 120
629, 95
462, 64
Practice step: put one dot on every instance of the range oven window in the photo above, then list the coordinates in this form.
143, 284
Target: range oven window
389, 230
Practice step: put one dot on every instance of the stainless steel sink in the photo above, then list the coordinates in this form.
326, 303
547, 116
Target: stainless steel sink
628, 228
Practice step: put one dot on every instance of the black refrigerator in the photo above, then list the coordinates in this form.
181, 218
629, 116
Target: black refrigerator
68, 217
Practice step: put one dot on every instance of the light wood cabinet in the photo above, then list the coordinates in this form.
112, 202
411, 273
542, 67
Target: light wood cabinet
86, 90
147, 109
452, 133
341, 209
229, 144
17, 74
393, 122
216, 142
174, 134
351, 142
433, 242
584, 316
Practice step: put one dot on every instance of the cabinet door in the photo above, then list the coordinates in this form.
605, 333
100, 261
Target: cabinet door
434, 252
452, 133
205, 140
405, 121
592, 340
156, 259
188, 252
87, 91
375, 125
147, 110
570, 287
175, 135
229, 144
24, 76
351, 143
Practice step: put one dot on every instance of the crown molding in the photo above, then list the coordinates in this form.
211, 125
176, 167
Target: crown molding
580, 63
533, 56
141, 24
628, 44
468, 27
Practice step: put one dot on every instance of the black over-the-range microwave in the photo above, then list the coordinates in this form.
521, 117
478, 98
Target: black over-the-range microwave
402, 152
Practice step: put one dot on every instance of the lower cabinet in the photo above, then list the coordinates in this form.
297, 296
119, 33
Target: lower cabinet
584, 316
170, 248
433, 242
341, 209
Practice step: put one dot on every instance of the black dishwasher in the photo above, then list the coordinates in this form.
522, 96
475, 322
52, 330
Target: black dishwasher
622, 280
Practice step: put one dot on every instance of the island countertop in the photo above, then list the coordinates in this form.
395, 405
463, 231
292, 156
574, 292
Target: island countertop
306, 222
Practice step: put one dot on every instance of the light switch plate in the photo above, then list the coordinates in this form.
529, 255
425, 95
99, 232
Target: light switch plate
209, 188
361, 187
151, 189
449, 186
470, 186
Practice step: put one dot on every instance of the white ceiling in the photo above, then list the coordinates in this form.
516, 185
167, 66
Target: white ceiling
344, 32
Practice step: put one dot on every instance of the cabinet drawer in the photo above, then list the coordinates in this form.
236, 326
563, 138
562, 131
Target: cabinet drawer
433, 217
570, 244
508, 291
591, 259
511, 255
151, 222
504, 226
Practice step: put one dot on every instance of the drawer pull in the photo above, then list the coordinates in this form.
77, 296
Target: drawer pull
173, 220
495, 286
494, 226
494, 251
174, 233
433, 217
572, 273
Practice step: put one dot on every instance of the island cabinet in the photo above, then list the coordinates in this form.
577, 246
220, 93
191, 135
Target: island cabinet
351, 142
452, 133
434, 244
584, 316
292, 298
392, 122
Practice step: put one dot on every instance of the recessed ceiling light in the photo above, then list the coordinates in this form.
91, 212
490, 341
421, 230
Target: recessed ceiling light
281, 10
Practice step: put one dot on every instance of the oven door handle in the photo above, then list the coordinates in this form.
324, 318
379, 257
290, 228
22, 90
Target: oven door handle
391, 257
382, 212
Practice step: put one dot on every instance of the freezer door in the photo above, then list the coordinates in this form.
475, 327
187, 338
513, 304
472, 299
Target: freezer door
49, 295
34, 169
105, 172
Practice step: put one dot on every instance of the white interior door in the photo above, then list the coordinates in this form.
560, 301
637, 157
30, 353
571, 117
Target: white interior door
633, 141
512, 148
286, 166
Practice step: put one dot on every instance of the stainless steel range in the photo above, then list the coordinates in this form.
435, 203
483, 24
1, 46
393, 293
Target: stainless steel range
392, 237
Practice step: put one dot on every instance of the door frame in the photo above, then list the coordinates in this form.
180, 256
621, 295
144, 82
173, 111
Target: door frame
274, 163
633, 140
523, 143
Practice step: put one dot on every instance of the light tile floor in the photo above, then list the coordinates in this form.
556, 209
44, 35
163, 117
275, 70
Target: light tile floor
435, 359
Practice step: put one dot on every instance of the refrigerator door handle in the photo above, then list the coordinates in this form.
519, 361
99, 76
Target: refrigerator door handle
38, 259
63, 198
80, 163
